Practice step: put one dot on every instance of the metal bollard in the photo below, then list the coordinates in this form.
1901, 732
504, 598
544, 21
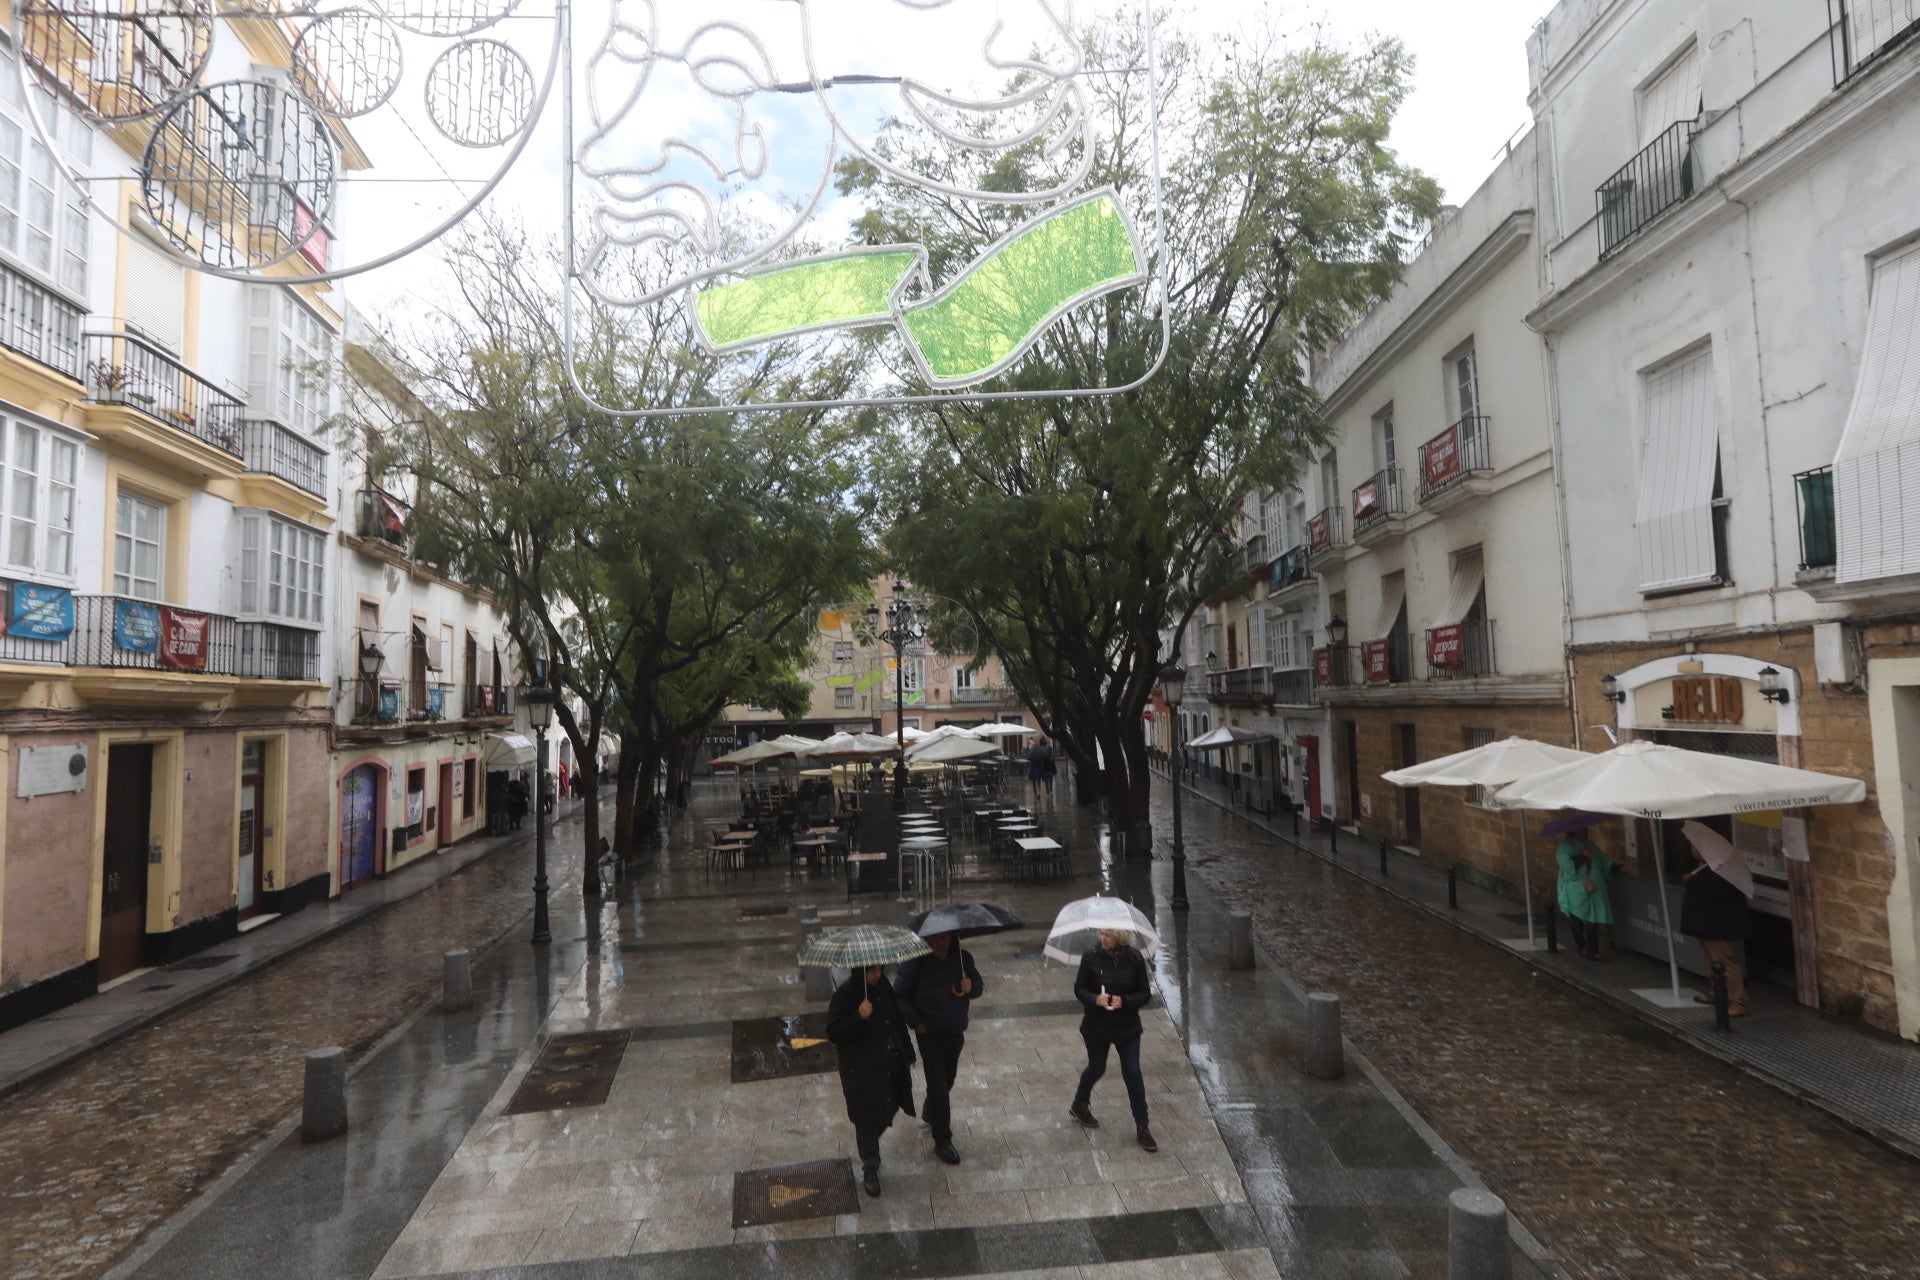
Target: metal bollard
1477, 1246
1383, 857
1240, 940
323, 1106
1722, 1021
816, 983
1326, 1059
456, 981
1333, 838
1453, 887
1553, 928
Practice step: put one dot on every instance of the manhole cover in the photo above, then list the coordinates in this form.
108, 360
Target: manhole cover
199, 962
775, 1048
574, 1070
789, 1193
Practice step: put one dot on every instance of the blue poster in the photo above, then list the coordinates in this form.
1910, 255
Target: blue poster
436, 701
389, 704
40, 613
136, 626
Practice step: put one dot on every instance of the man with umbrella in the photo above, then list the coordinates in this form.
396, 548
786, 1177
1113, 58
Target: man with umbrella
868, 1033
934, 992
1713, 908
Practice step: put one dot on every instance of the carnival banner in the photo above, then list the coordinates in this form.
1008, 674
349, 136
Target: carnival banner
40, 613
136, 626
183, 639
1447, 647
1379, 661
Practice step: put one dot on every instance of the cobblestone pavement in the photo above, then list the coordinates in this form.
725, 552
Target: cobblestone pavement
95, 1157
1627, 1155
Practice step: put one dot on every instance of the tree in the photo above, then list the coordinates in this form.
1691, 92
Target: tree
1075, 531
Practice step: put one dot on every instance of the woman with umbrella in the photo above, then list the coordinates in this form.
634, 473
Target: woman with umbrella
934, 992
1112, 985
870, 1036
1584, 870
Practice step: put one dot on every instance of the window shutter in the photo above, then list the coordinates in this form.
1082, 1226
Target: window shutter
1876, 473
1674, 516
156, 302
1672, 96
1469, 574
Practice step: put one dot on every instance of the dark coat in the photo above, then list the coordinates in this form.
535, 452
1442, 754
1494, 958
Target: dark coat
1712, 908
1122, 974
924, 988
875, 1053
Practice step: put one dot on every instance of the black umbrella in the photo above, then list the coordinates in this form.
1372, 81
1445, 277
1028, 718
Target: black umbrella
967, 920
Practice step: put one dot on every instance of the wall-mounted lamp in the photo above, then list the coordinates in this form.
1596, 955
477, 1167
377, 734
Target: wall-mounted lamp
1772, 687
1610, 690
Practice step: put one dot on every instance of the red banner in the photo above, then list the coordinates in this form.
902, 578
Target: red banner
1366, 501
486, 697
312, 238
1379, 661
1318, 536
1323, 666
183, 640
1447, 647
1440, 459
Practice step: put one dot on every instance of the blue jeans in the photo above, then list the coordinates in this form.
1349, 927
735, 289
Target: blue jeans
1129, 1051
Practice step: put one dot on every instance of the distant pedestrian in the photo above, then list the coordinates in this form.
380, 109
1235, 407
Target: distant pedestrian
1112, 984
876, 1062
546, 795
934, 993
516, 801
1583, 896
1713, 910
1040, 768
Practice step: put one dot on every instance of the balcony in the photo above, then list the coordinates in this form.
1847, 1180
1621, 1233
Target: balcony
1242, 685
1461, 651
1334, 667
1454, 466
979, 693
1292, 687
1288, 570
1379, 507
1326, 538
1387, 661
384, 700
39, 324
126, 370
381, 517
1861, 31
1645, 187
269, 651
276, 450
1253, 556
479, 700
119, 631
1813, 496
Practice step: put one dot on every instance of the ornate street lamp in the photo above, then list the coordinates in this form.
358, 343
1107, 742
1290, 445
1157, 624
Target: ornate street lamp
906, 629
1172, 686
539, 700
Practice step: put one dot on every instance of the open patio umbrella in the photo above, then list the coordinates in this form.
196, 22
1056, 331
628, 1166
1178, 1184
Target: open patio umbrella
950, 750
1493, 765
1227, 735
1727, 862
965, 920
753, 753
1656, 781
853, 746
861, 945
1076, 930
1000, 729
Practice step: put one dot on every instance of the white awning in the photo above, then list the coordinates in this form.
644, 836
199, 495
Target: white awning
507, 751
1672, 96
1678, 464
1876, 473
1469, 575
436, 661
1393, 596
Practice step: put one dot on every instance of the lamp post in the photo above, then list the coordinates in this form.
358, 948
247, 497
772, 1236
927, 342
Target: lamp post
906, 629
1172, 685
367, 700
539, 701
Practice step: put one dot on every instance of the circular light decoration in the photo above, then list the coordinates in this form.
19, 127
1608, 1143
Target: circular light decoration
480, 93
116, 60
240, 174
347, 63
450, 17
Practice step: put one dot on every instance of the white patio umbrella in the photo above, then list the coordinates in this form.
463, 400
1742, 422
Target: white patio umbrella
1653, 780
852, 746
1000, 729
753, 753
1493, 765
947, 731
950, 750
913, 735
1227, 735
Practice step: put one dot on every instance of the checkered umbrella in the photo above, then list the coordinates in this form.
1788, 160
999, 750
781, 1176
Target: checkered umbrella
863, 945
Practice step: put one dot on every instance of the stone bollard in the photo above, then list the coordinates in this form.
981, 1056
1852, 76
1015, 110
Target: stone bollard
816, 983
1477, 1237
1240, 940
323, 1109
456, 981
1326, 1059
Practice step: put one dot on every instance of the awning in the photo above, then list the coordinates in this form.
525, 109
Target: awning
435, 659
1469, 574
1393, 595
508, 751
1674, 517
1876, 472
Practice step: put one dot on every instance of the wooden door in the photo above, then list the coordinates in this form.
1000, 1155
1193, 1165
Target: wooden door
123, 887
1312, 747
446, 804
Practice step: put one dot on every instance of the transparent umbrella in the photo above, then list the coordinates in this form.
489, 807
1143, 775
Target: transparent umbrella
1076, 930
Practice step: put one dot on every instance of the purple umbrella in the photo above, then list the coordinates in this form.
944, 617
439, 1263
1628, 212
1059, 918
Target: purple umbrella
1576, 820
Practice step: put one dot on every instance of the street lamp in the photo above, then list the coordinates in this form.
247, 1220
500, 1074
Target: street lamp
367, 699
906, 629
539, 701
1172, 685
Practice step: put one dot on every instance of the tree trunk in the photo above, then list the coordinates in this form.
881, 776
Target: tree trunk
590, 829
623, 804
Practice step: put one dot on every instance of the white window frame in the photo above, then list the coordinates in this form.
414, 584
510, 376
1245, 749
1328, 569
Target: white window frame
127, 582
285, 339
843, 697
38, 498
283, 570
962, 678
913, 674
63, 224
1463, 383
1257, 653
1386, 453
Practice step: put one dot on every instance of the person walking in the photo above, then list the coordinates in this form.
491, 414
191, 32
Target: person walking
1583, 895
1713, 910
934, 993
876, 1060
1039, 767
1112, 985
516, 801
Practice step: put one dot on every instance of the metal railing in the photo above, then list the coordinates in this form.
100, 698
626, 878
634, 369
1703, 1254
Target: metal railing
1288, 568
39, 323
487, 700
382, 516
1813, 497
278, 450
269, 651
1253, 556
1453, 455
1860, 31
1377, 498
1240, 682
1643, 188
1335, 667
125, 369
1293, 687
28, 649
1326, 531
978, 693
1466, 650
120, 631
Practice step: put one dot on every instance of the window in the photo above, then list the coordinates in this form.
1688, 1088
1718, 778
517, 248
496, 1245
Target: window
1278, 530
416, 801
1383, 455
962, 678
843, 651
38, 474
1679, 474
1257, 636
139, 535
1330, 497
842, 698
156, 297
914, 673
282, 569
288, 351
43, 220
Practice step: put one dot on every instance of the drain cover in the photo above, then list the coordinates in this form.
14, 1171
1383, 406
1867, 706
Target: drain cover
789, 1193
775, 1048
574, 1070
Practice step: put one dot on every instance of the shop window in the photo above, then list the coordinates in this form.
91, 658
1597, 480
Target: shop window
416, 801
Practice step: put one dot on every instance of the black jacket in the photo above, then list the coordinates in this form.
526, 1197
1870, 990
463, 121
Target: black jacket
924, 990
1712, 908
875, 1053
1123, 974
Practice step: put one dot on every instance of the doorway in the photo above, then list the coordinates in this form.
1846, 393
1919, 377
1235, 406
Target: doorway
359, 824
1409, 796
1352, 736
123, 880
253, 788
1311, 746
446, 804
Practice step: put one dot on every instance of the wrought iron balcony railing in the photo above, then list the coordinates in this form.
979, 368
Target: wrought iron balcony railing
1291, 687
1326, 532
487, 700
382, 516
1860, 31
1334, 667
278, 450
1253, 556
269, 651
1453, 455
1645, 187
1376, 499
39, 323
1288, 568
1460, 651
978, 693
1813, 496
120, 631
125, 369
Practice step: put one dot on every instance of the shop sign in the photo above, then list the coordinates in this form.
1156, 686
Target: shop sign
1366, 501
183, 640
1379, 661
136, 626
39, 613
1440, 459
1447, 647
1318, 536
1323, 666
1708, 700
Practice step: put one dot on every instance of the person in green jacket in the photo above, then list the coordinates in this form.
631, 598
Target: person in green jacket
1583, 895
